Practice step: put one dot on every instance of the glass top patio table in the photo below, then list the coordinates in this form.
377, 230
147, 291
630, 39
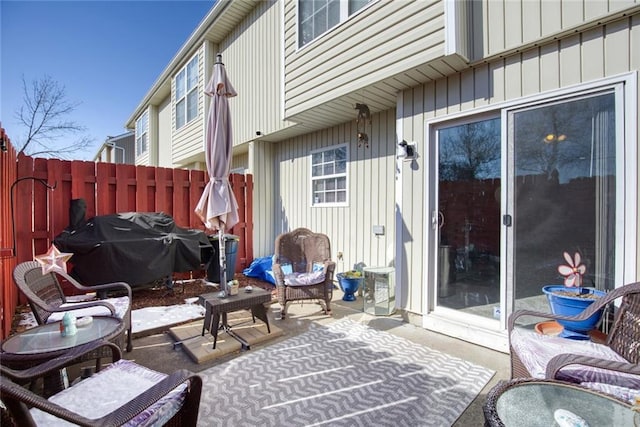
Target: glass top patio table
46, 339
530, 402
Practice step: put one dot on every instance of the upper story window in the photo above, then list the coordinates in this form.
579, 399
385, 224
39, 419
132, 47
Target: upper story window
329, 176
316, 17
187, 93
142, 130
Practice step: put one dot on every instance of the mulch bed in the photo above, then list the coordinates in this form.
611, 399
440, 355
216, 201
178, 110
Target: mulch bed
161, 295
157, 295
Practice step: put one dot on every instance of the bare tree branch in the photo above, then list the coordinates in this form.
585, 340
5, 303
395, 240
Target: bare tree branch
44, 115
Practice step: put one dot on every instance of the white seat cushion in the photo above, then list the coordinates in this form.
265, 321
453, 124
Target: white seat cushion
111, 388
536, 350
302, 279
121, 304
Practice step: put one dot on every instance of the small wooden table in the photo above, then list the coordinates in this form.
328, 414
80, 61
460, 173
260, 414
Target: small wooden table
533, 402
45, 342
215, 307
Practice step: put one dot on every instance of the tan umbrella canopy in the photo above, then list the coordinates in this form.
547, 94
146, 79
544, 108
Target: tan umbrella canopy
217, 207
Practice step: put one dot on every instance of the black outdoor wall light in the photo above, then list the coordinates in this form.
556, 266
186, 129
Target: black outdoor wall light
406, 150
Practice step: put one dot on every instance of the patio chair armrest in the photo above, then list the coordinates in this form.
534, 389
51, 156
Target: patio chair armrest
155, 393
79, 305
103, 287
278, 273
561, 360
68, 358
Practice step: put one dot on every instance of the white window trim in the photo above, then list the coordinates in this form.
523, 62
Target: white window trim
185, 97
343, 9
346, 175
144, 116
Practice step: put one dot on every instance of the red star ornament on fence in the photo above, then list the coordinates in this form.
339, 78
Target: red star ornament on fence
53, 260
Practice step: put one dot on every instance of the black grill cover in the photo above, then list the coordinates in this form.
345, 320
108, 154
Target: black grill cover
136, 248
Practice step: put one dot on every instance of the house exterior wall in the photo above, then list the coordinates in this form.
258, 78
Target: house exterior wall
510, 25
187, 141
371, 181
252, 56
165, 148
601, 52
348, 58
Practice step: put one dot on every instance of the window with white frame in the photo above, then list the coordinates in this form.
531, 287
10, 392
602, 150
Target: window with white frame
142, 130
329, 176
187, 93
316, 17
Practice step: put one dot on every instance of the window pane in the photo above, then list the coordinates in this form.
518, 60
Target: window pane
341, 167
356, 5
333, 15
305, 9
180, 114
192, 74
324, 164
565, 171
180, 84
320, 22
192, 105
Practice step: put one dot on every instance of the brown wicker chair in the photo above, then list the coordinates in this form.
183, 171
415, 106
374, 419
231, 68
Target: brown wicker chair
20, 402
302, 251
623, 339
46, 297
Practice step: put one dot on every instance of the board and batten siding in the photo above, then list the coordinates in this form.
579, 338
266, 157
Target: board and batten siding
597, 53
252, 54
164, 133
371, 192
511, 24
384, 39
188, 140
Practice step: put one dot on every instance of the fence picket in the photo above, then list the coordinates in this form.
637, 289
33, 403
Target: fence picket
41, 214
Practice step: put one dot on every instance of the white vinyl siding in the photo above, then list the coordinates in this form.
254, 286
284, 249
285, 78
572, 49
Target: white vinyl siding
188, 141
316, 17
601, 52
370, 185
384, 39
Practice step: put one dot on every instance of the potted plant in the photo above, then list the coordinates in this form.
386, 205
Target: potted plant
349, 282
572, 298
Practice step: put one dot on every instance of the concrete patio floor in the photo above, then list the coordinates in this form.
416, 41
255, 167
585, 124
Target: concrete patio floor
157, 351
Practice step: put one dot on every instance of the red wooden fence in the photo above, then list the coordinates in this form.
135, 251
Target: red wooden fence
41, 211
8, 293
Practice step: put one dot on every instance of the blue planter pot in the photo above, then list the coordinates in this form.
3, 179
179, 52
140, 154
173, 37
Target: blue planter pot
349, 286
570, 306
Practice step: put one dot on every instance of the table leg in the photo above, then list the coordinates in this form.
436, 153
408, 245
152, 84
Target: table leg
213, 329
260, 311
207, 318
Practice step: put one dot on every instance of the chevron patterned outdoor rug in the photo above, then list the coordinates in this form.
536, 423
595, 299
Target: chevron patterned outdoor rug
343, 374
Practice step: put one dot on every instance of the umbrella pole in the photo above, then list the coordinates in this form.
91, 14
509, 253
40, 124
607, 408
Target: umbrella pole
223, 262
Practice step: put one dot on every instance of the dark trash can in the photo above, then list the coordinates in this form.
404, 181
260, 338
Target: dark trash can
231, 251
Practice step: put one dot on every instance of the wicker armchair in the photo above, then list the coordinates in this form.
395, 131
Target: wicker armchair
303, 268
134, 395
49, 303
611, 366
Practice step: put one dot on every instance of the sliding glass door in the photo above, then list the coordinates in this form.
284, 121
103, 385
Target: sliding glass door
513, 190
563, 178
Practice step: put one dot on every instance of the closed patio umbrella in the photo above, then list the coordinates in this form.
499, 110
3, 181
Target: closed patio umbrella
217, 207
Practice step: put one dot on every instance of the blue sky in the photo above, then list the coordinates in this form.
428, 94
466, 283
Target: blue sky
106, 54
